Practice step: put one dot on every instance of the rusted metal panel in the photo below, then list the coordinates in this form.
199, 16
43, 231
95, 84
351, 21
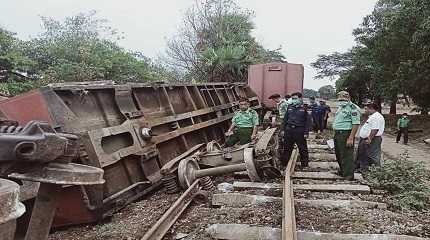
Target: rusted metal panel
271, 78
28, 107
109, 120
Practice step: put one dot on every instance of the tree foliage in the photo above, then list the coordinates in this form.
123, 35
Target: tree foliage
80, 48
215, 43
327, 92
391, 56
307, 93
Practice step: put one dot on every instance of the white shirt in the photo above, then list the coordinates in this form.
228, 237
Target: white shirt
375, 121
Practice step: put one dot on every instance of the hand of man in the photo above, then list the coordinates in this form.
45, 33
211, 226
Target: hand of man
367, 141
253, 136
350, 142
229, 133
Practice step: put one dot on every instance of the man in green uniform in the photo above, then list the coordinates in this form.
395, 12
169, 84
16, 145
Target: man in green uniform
345, 124
403, 127
281, 104
244, 125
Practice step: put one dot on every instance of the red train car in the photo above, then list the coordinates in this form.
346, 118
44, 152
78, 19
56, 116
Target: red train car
271, 78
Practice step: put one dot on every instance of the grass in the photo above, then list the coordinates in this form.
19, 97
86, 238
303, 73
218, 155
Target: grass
408, 182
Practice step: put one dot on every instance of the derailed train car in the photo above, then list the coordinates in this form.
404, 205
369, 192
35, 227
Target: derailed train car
131, 131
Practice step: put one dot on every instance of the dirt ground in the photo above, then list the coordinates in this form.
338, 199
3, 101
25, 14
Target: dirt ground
129, 224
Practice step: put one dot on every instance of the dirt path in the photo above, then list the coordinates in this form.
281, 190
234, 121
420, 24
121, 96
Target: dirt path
414, 151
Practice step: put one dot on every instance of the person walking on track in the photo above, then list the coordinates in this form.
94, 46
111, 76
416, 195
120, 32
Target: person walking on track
403, 128
327, 111
369, 147
296, 126
345, 125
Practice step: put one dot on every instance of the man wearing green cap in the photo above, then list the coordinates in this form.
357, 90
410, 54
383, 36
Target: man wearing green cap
345, 125
243, 127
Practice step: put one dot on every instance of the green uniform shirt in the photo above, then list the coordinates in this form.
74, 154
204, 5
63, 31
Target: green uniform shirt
282, 107
403, 122
245, 119
347, 116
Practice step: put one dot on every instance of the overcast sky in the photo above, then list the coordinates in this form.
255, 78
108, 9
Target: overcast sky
304, 28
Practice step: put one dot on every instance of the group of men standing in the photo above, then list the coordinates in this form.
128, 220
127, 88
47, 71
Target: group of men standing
297, 118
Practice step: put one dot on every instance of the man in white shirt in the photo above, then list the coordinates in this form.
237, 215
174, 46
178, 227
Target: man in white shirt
369, 147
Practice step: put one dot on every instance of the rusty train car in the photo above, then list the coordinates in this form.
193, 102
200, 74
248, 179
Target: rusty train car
131, 131
270, 78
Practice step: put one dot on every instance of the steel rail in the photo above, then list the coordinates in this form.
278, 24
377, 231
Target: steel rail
162, 226
288, 212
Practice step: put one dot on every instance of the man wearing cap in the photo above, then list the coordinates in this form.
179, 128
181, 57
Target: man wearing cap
296, 128
402, 127
281, 104
369, 147
243, 127
345, 125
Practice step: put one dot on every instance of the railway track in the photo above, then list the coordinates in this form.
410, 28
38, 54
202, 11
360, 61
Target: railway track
309, 204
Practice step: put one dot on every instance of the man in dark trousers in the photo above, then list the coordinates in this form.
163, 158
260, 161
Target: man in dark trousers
403, 127
327, 111
296, 130
316, 115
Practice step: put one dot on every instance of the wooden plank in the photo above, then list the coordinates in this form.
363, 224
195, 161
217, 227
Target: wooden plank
256, 186
242, 231
322, 176
304, 187
318, 146
332, 188
323, 165
338, 236
328, 157
247, 232
242, 200
327, 203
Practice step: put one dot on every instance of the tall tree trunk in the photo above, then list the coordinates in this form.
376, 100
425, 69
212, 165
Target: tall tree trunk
393, 107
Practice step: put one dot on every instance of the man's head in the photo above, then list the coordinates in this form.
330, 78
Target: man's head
371, 108
296, 98
288, 96
312, 100
322, 103
275, 97
243, 104
405, 115
343, 98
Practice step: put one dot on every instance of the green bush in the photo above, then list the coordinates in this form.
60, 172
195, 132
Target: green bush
407, 181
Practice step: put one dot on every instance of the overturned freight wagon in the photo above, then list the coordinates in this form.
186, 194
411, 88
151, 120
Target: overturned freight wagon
131, 131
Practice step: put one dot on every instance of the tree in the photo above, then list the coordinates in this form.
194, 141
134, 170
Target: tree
391, 56
215, 43
307, 93
17, 71
80, 48
84, 48
327, 92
